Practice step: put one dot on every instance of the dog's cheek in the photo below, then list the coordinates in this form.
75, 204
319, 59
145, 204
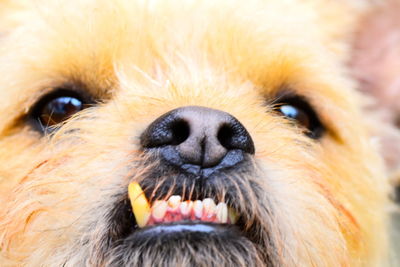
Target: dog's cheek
354, 189
67, 191
296, 180
330, 192
20, 154
52, 185
302, 210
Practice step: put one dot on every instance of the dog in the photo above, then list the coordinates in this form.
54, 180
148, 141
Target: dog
186, 133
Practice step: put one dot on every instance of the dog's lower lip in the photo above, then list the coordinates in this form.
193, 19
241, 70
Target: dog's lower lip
181, 227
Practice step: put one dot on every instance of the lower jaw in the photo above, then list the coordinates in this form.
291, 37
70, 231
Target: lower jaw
184, 233
187, 244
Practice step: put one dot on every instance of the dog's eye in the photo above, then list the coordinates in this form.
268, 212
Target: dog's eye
60, 109
299, 111
57, 107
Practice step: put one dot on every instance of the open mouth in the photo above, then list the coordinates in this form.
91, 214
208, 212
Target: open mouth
169, 216
208, 220
175, 210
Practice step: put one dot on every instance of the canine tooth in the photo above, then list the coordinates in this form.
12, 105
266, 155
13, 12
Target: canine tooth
198, 209
185, 208
233, 217
159, 209
222, 212
140, 205
209, 206
174, 202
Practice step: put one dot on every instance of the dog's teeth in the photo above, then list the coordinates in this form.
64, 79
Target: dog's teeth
174, 202
222, 212
185, 208
198, 209
233, 217
174, 210
159, 209
209, 204
140, 205
209, 207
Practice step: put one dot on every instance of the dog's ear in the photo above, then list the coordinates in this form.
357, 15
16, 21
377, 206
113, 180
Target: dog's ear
376, 65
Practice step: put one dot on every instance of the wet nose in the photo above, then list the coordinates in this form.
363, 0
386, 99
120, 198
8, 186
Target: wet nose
201, 136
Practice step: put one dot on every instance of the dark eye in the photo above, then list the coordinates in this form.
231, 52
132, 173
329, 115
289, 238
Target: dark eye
298, 110
57, 107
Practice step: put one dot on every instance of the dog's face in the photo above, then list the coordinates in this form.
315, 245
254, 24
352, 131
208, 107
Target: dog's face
242, 109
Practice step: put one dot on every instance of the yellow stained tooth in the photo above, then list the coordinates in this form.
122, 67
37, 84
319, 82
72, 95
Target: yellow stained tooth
233, 217
140, 206
174, 201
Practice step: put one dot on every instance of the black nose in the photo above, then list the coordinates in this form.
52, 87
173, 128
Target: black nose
201, 136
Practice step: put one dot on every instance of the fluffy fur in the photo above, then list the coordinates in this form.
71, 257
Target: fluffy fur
315, 202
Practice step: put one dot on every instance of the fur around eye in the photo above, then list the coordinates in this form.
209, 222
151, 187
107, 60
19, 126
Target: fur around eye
298, 110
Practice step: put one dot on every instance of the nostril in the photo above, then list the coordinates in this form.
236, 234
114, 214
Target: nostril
225, 136
166, 130
233, 135
180, 130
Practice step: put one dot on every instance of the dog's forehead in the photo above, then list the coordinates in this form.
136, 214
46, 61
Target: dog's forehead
260, 36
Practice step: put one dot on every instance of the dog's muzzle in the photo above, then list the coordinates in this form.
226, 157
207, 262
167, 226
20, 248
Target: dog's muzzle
199, 141
202, 174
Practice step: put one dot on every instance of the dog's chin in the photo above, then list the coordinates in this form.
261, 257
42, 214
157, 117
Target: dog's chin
187, 244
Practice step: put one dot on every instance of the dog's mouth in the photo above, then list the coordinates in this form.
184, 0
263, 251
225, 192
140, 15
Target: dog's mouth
175, 210
183, 216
